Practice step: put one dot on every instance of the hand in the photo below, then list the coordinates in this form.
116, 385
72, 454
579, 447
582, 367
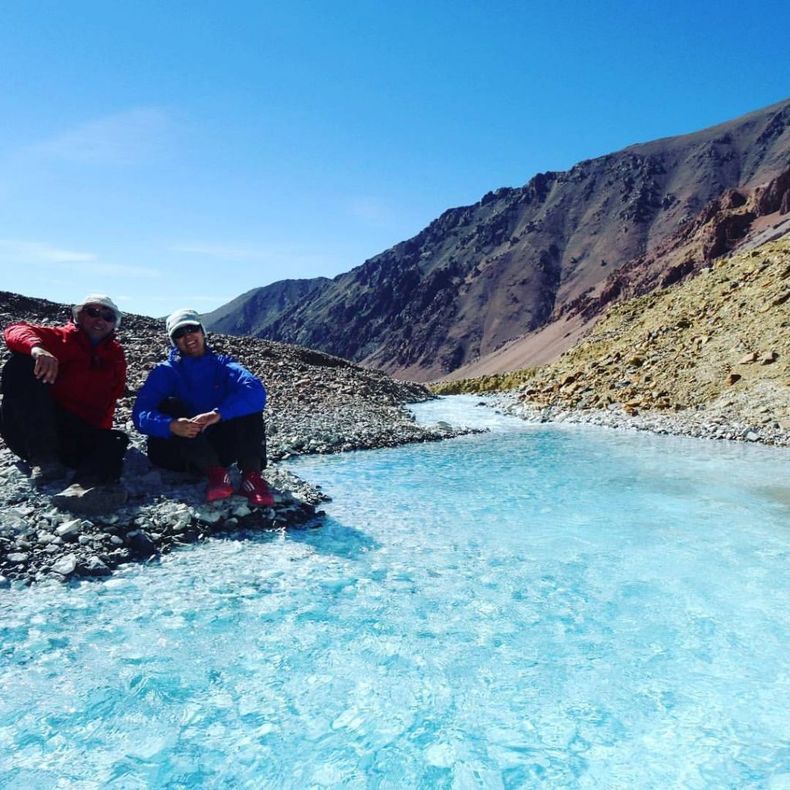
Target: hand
45, 368
185, 428
204, 420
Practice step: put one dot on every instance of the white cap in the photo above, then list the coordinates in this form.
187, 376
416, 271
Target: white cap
101, 299
186, 316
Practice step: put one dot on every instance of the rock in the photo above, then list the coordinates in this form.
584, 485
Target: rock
748, 359
209, 514
12, 523
17, 557
768, 358
93, 566
734, 378
140, 544
90, 500
69, 529
4, 583
65, 566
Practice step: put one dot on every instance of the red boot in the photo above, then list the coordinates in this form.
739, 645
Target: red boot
254, 487
219, 485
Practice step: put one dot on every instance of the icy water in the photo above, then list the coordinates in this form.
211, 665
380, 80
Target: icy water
536, 607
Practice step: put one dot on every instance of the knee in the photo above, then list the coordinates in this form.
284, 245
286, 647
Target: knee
18, 371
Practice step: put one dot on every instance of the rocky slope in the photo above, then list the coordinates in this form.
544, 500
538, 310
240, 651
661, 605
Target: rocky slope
515, 262
317, 403
253, 311
740, 219
708, 357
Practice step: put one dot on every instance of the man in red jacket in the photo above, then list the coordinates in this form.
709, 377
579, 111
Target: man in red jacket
60, 388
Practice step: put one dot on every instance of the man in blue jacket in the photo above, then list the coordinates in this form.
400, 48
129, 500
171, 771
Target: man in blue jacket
203, 412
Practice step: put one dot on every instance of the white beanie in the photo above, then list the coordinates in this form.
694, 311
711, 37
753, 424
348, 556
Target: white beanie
101, 299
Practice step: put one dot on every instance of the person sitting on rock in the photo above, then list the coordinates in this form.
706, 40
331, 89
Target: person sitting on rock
202, 412
60, 388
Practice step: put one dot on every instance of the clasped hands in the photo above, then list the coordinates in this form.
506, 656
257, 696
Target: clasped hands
190, 427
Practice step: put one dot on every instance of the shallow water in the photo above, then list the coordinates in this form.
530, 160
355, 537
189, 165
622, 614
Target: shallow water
564, 607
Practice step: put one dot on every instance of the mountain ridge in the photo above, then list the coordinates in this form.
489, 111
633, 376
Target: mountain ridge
480, 276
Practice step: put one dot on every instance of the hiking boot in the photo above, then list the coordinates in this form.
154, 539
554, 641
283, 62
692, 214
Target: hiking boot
87, 500
219, 485
254, 487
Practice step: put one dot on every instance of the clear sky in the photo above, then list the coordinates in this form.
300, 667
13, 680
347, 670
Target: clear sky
180, 153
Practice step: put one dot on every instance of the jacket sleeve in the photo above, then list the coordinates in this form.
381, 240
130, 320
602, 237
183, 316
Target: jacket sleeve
23, 337
245, 393
146, 416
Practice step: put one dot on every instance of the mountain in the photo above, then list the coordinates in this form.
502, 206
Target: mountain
482, 276
253, 311
740, 219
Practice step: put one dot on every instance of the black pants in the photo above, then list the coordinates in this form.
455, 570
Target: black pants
241, 441
38, 429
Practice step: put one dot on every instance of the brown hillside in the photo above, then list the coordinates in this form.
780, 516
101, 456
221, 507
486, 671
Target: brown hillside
720, 340
740, 219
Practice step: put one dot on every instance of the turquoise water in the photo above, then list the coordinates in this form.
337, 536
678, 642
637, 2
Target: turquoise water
534, 607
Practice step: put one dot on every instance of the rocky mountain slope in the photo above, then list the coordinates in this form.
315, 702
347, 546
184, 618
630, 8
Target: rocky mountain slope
737, 220
253, 311
708, 357
317, 404
515, 262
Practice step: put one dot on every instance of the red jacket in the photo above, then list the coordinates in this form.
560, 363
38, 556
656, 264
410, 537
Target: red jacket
90, 378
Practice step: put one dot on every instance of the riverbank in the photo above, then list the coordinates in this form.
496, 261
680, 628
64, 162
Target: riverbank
708, 357
316, 404
715, 421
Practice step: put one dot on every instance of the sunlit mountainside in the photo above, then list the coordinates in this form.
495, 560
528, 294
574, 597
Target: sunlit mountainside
519, 277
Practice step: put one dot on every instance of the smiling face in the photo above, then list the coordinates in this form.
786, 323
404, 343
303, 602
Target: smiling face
96, 321
190, 341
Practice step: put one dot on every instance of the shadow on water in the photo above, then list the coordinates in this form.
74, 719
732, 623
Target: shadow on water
331, 537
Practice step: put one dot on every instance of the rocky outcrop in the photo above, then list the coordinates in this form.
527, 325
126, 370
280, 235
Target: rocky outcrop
480, 276
708, 357
734, 220
317, 404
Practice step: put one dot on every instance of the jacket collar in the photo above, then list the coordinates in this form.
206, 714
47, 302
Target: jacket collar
176, 356
76, 330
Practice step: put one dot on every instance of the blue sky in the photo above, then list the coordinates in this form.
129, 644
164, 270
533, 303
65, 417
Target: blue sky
180, 153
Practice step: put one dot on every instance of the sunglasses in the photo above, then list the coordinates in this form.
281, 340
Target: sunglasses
100, 312
186, 330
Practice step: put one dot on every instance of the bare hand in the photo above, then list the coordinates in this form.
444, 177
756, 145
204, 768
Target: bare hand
204, 420
185, 428
45, 368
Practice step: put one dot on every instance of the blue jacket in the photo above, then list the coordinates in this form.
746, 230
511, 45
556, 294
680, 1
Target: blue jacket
211, 381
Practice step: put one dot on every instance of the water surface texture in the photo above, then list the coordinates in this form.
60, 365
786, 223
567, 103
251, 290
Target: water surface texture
533, 607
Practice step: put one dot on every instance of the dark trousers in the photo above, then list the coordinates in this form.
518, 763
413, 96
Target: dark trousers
39, 430
241, 441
